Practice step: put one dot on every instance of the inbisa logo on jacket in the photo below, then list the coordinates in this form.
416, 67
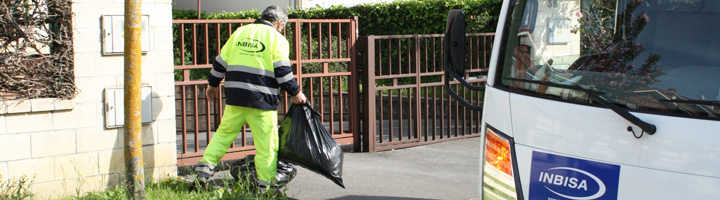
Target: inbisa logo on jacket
250, 45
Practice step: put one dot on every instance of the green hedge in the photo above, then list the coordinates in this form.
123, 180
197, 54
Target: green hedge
396, 18
400, 17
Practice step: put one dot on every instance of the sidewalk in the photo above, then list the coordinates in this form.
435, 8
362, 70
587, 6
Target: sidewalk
448, 170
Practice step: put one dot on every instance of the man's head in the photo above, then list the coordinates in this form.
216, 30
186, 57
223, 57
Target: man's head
276, 16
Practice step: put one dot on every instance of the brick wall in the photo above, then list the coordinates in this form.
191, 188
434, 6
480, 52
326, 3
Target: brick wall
64, 143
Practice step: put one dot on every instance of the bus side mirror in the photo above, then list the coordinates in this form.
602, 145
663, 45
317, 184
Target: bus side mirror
454, 46
455, 41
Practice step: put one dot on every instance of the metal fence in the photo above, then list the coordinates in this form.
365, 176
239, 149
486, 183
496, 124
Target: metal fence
404, 100
323, 57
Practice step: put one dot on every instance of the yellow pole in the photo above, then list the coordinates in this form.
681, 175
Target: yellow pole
133, 126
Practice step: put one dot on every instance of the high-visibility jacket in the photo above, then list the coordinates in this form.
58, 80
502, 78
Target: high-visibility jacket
255, 65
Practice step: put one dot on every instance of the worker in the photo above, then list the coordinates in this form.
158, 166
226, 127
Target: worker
255, 65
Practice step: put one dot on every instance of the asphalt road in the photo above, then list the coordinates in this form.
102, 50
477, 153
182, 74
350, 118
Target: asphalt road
448, 170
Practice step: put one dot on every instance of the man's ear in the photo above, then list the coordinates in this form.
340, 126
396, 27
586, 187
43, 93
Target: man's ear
279, 26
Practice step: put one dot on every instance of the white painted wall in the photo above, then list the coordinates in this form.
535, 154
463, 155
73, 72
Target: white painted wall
64, 143
327, 3
562, 54
218, 6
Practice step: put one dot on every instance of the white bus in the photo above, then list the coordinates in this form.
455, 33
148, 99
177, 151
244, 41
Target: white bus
600, 99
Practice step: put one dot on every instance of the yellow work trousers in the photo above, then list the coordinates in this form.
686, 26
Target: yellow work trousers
263, 125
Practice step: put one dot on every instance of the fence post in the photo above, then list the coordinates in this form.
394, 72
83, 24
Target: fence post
199, 2
369, 121
298, 54
418, 82
354, 84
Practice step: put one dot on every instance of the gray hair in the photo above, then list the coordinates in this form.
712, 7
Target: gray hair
274, 14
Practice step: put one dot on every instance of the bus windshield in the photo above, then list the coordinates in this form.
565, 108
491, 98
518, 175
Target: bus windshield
654, 56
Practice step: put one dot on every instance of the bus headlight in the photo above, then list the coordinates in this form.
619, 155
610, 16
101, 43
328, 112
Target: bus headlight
498, 177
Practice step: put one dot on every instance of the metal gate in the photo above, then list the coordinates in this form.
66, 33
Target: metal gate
404, 99
323, 57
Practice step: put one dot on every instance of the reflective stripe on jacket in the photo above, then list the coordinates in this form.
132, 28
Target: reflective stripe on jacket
255, 65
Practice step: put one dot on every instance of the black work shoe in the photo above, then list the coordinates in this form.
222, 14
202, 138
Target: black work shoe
205, 171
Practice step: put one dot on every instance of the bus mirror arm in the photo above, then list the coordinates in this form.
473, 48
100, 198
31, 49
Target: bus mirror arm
462, 80
460, 99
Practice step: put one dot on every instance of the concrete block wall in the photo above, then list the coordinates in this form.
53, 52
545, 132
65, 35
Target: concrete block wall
64, 144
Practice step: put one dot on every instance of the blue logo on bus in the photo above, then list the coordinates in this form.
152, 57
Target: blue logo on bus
559, 177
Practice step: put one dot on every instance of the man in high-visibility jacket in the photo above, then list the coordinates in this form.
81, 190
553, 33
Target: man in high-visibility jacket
255, 65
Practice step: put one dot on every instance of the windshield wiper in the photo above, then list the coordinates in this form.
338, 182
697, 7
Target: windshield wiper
646, 127
692, 101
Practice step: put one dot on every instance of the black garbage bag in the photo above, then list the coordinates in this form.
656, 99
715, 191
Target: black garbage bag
246, 168
305, 141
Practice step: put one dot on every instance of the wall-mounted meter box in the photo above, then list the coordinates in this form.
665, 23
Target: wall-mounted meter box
558, 31
115, 106
113, 34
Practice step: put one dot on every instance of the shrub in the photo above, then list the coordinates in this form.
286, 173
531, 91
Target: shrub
407, 17
410, 17
400, 17
15, 188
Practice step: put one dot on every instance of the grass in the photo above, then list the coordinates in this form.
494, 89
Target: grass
176, 188
168, 188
